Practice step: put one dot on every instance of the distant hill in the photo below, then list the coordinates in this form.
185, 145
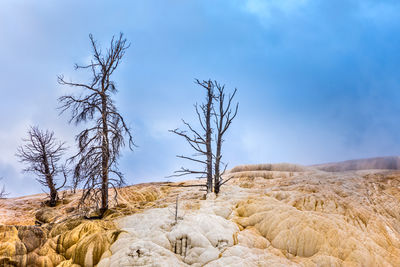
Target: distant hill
388, 163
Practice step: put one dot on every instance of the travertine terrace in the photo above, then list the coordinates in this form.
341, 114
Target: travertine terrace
266, 215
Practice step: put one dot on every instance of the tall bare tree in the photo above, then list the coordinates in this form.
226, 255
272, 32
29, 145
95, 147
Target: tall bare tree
219, 107
224, 115
42, 152
201, 142
99, 145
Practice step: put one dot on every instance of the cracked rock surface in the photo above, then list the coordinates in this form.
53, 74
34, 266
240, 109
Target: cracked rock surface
266, 215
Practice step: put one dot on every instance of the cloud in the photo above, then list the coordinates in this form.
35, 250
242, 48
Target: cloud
10, 139
380, 12
265, 10
317, 80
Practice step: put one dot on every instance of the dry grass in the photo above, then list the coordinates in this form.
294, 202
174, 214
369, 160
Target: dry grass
192, 205
269, 167
246, 185
260, 174
252, 174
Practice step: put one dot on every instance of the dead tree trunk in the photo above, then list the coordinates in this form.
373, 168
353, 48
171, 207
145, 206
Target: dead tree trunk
200, 140
224, 116
210, 97
49, 182
105, 155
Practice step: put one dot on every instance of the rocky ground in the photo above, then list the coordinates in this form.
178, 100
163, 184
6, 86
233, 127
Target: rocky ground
266, 215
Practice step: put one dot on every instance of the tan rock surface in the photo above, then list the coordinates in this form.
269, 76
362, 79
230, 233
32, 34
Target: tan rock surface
267, 215
64, 237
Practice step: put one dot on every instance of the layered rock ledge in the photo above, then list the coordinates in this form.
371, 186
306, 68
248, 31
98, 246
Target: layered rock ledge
266, 215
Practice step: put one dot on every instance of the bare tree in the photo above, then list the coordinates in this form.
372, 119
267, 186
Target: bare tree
201, 142
224, 115
42, 152
220, 108
99, 145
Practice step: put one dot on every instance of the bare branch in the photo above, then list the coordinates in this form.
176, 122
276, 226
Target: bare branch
192, 159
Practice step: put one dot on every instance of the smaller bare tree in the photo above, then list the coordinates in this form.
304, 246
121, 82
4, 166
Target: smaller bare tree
42, 152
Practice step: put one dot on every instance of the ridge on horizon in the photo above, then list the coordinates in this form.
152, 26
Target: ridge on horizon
385, 162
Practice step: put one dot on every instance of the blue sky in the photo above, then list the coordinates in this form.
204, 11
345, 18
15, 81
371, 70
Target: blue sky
318, 81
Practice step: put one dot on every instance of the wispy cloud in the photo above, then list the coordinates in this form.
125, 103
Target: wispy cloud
318, 80
381, 12
10, 138
265, 10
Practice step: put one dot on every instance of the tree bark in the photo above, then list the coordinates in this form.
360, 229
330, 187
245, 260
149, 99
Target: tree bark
49, 180
210, 97
217, 166
223, 118
105, 158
